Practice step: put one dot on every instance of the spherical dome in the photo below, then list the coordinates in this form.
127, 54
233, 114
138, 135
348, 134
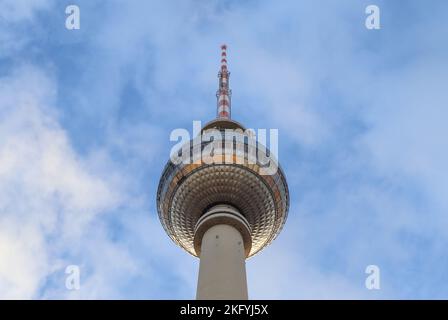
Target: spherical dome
187, 190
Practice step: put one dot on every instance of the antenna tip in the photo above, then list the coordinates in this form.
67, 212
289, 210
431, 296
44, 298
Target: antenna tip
223, 47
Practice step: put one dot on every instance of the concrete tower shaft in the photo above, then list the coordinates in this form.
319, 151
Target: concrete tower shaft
222, 239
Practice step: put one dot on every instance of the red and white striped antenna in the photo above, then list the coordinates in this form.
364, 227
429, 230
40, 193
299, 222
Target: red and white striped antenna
224, 93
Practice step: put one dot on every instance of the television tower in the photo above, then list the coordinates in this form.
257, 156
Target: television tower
222, 211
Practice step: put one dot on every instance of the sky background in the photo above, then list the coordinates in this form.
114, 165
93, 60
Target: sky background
85, 118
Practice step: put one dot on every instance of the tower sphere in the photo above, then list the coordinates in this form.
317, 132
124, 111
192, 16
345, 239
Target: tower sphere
188, 190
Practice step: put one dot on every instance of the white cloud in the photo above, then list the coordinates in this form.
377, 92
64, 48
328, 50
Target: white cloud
15, 16
58, 207
23, 259
46, 190
19, 10
283, 273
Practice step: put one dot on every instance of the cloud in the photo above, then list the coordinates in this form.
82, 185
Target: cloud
58, 207
19, 10
16, 16
46, 190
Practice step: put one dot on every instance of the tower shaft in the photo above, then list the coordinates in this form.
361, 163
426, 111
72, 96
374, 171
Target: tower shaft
222, 268
222, 241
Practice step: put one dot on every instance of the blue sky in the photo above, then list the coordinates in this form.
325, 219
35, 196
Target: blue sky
85, 118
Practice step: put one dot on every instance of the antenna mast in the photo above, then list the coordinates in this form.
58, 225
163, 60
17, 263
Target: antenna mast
224, 93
